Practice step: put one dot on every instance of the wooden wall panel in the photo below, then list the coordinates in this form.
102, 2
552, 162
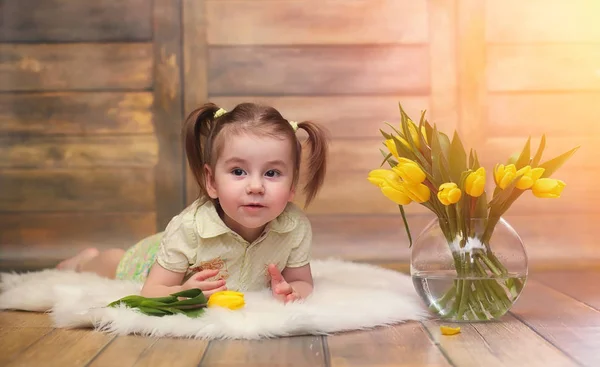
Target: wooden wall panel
559, 115
76, 113
538, 21
81, 190
168, 112
86, 66
79, 152
543, 67
234, 71
443, 63
72, 20
195, 85
69, 229
470, 68
354, 117
328, 22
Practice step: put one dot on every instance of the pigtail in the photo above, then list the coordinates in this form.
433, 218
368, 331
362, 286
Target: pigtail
317, 159
196, 129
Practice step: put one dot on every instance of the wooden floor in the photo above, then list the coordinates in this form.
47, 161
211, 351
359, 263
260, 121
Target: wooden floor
556, 322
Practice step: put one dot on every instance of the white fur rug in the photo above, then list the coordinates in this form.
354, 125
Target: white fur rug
347, 296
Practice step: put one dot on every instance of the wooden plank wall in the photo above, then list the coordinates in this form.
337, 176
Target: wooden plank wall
541, 76
345, 65
79, 130
496, 71
91, 105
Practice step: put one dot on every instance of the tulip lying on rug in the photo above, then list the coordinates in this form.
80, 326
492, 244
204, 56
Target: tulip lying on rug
192, 306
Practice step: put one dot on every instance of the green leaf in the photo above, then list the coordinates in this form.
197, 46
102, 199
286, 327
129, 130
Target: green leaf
457, 159
129, 301
161, 306
524, 158
513, 158
151, 311
471, 158
503, 195
481, 207
538, 154
406, 225
188, 293
552, 165
398, 132
444, 143
424, 146
439, 165
385, 135
409, 140
388, 159
476, 163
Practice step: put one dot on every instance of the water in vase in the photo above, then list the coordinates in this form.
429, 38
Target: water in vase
468, 298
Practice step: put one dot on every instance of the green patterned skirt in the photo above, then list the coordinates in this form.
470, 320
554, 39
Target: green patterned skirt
137, 261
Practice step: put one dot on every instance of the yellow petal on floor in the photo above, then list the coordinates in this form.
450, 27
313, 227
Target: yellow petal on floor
447, 330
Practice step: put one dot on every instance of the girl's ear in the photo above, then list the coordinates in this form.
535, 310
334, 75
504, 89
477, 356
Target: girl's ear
292, 194
211, 188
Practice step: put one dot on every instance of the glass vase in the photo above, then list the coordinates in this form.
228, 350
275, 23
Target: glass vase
472, 271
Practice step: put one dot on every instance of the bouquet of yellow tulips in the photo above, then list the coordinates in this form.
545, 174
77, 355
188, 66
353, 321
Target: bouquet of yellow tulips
429, 168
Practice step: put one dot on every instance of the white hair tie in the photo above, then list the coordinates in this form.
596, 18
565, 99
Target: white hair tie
220, 112
294, 125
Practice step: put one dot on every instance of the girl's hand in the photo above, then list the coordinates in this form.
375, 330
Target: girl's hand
198, 281
281, 289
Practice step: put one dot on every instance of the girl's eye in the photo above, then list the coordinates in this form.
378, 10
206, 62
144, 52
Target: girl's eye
272, 173
237, 172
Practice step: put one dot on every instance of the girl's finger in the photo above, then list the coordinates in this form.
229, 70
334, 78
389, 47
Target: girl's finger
275, 274
207, 286
205, 274
208, 293
283, 288
291, 297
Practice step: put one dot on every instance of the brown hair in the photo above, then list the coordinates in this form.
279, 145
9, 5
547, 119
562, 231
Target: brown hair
203, 136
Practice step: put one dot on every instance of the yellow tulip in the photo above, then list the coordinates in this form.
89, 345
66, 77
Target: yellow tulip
391, 145
390, 185
449, 193
475, 182
380, 177
424, 133
504, 175
414, 134
416, 192
412, 129
399, 197
529, 176
548, 188
409, 171
227, 299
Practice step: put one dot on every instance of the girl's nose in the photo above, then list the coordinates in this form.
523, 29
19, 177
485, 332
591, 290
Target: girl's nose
255, 186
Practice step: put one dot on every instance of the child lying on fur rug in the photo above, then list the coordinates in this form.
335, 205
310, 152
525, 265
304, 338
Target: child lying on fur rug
244, 233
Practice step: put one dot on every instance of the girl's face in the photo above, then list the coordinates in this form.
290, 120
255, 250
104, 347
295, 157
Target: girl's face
253, 180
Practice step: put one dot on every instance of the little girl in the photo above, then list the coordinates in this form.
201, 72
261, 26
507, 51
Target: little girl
243, 233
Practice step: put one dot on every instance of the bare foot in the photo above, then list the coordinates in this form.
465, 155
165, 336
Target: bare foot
75, 262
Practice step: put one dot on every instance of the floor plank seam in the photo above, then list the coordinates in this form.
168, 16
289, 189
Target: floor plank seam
101, 351
438, 345
31, 345
594, 308
210, 342
325, 346
546, 339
